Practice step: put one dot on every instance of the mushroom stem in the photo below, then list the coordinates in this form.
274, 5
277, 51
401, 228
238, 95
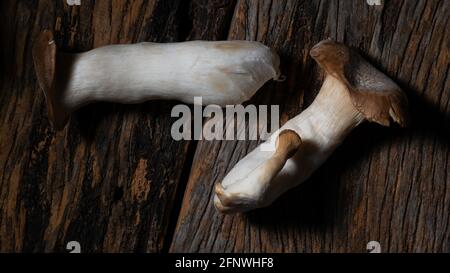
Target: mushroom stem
260, 178
321, 127
221, 72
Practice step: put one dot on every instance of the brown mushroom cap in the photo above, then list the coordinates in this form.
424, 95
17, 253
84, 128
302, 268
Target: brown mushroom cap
373, 93
45, 60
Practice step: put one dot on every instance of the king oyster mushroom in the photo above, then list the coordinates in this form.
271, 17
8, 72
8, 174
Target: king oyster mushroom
353, 92
221, 72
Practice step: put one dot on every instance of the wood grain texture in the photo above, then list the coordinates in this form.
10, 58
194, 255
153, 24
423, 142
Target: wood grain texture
109, 179
113, 179
385, 184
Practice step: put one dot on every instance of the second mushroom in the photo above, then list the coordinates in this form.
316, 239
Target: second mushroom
353, 91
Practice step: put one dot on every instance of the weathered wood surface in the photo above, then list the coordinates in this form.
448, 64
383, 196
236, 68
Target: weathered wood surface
389, 185
111, 179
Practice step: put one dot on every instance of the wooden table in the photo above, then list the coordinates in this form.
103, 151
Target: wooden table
115, 181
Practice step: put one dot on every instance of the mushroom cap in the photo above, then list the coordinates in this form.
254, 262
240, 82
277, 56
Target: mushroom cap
373, 93
45, 60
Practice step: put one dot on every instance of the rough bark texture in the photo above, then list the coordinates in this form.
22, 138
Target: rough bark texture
110, 180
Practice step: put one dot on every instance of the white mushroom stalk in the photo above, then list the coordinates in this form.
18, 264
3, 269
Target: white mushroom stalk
353, 91
221, 72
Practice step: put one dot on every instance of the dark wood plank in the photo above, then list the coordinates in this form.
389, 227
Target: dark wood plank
385, 184
109, 179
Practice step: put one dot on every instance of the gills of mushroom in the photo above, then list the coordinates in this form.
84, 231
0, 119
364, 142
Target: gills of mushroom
221, 72
353, 91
